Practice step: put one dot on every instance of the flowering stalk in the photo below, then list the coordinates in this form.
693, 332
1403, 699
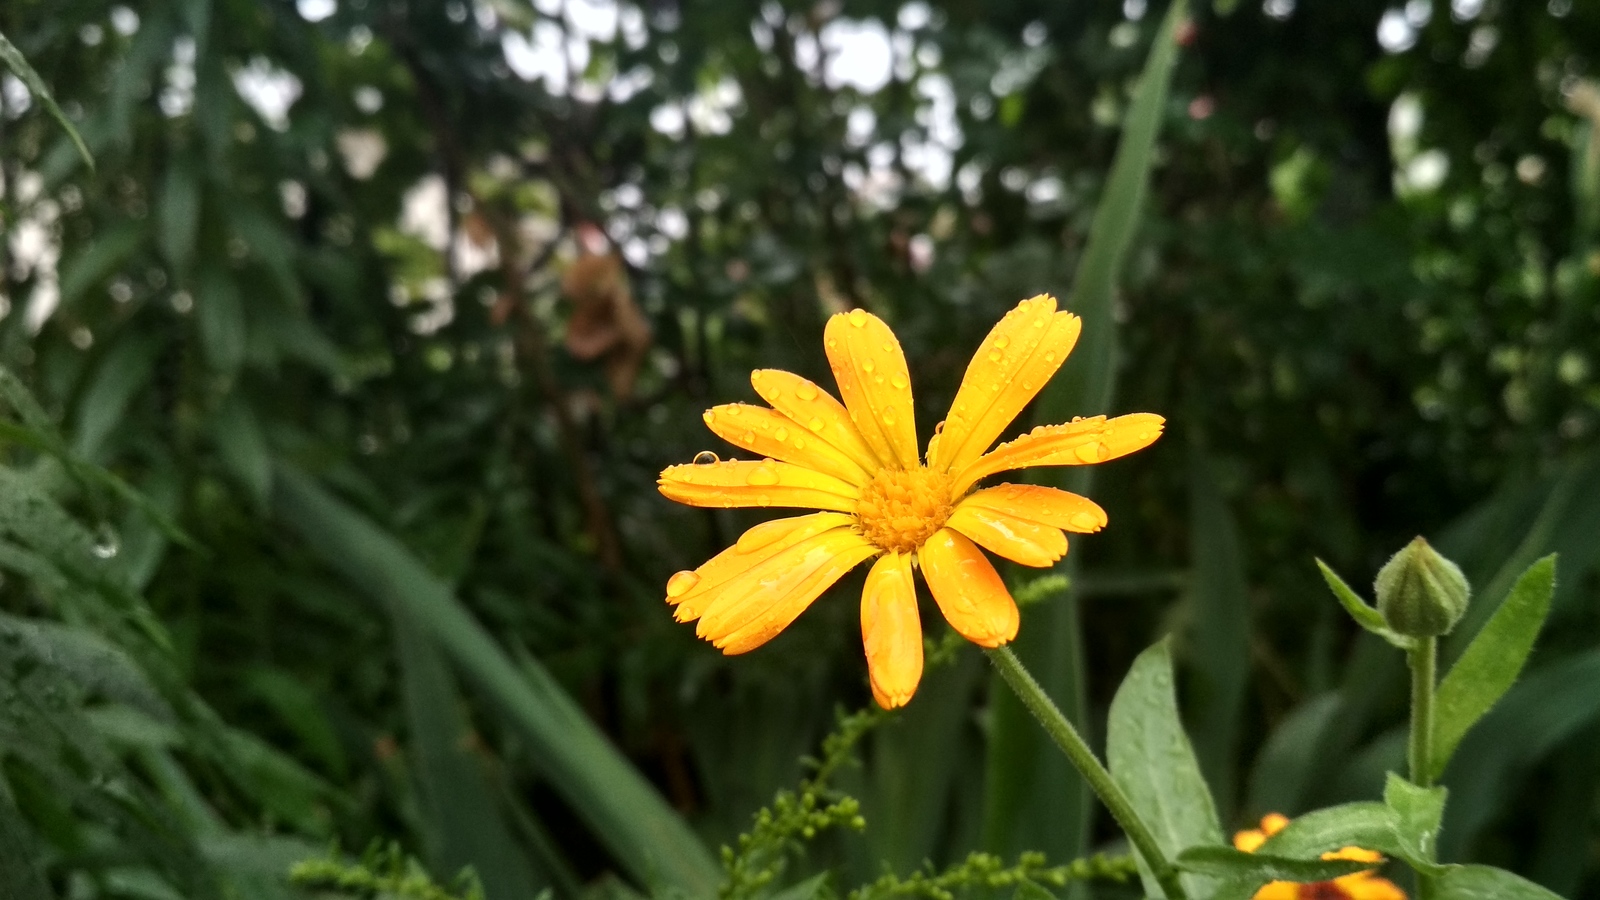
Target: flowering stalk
1083, 759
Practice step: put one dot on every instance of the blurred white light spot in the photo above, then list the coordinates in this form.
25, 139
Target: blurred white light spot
1395, 34
269, 90
671, 222
914, 15
859, 125
1278, 9
668, 119
1419, 13
368, 99
1133, 10
124, 21
1560, 8
1034, 33
293, 195
1530, 169
1480, 44
919, 253
423, 213
15, 95
316, 10
1465, 10
362, 150
856, 54
1424, 173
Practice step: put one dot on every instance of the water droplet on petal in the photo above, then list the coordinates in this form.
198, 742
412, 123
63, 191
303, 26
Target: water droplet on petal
868, 366
799, 443
806, 391
1002, 342
761, 476
888, 415
1083, 521
781, 434
816, 423
764, 500
898, 382
681, 583
709, 416
749, 436
733, 410
858, 318
706, 458
1090, 452
995, 356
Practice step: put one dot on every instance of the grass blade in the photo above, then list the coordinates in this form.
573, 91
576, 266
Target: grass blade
1033, 800
14, 60
625, 811
463, 822
1220, 629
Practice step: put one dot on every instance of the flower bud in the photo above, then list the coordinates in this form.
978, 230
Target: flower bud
1420, 593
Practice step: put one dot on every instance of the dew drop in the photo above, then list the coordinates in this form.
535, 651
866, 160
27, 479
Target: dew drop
1083, 521
1002, 342
106, 542
799, 443
733, 410
833, 343
888, 415
749, 436
995, 356
869, 366
681, 583
806, 391
1040, 322
764, 500
1027, 385
781, 434
898, 382
1049, 357
858, 318
706, 458
762, 476
709, 416
816, 423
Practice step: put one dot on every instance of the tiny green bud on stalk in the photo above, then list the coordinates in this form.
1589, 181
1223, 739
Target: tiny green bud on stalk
1420, 593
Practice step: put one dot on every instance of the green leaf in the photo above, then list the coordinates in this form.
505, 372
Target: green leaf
1150, 757
1365, 615
1487, 883
1227, 862
219, 313
121, 375
300, 709
624, 811
810, 889
1285, 763
1547, 708
105, 253
15, 61
1417, 812
1368, 825
1033, 799
1220, 625
1492, 661
19, 857
178, 212
243, 448
464, 824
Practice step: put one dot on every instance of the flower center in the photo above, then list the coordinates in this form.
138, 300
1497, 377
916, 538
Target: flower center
901, 508
1323, 890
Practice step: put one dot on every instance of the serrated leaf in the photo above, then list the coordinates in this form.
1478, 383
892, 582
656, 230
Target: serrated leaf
1149, 755
1492, 662
1227, 862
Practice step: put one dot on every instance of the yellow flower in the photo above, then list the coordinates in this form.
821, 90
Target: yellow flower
1360, 886
858, 462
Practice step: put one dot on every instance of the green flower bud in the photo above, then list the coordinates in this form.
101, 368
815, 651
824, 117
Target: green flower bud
1420, 593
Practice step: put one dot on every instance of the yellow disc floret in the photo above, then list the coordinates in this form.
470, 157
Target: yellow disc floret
901, 508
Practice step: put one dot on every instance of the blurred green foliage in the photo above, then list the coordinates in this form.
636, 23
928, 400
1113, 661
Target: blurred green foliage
381, 557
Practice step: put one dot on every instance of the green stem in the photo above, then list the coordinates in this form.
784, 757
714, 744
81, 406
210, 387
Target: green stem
1083, 759
1424, 659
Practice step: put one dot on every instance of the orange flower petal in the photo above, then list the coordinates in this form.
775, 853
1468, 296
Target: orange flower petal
1077, 443
1046, 505
754, 607
1279, 890
1364, 886
770, 433
1029, 543
816, 409
891, 630
1013, 363
756, 483
968, 590
875, 384
1249, 840
692, 592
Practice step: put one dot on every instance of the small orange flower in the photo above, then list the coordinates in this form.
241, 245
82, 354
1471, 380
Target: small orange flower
1360, 886
858, 462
